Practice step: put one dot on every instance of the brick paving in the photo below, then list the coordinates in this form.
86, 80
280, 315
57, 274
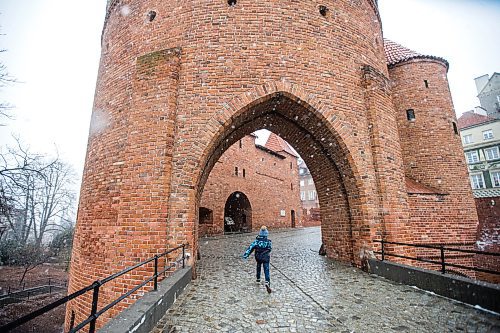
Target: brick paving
310, 294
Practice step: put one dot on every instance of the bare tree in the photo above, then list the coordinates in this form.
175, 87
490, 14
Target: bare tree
5, 80
37, 195
52, 200
29, 257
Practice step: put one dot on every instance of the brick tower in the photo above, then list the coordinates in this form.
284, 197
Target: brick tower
432, 151
181, 81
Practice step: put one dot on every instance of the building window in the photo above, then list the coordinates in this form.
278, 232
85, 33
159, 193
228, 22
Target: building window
410, 114
241, 145
244, 173
472, 157
303, 195
310, 181
477, 181
488, 135
467, 139
236, 171
495, 178
291, 186
302, 183
491, 153
312, 195
262, 159
455, 128
291, 166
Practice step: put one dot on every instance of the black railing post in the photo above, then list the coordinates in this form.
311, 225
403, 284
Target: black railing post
183, 255
72, 320
156, 274
383, 257
93, 311
443, 268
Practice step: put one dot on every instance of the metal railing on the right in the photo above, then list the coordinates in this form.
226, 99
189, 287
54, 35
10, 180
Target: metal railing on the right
442, 255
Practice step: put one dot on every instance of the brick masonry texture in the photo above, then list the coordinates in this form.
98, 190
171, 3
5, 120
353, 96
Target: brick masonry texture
173, 94
488, 236
270, 183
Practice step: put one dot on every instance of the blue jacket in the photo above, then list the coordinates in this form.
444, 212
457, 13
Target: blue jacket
262, 247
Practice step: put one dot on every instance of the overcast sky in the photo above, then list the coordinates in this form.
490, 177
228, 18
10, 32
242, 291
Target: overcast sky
53, 49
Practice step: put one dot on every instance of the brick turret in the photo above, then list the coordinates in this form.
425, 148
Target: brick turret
431, 147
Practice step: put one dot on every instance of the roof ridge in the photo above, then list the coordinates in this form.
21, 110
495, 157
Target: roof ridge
276, 143
470, 118
396, 53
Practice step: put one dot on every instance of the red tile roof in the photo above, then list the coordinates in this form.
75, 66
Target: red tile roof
470, 118
277, 144
412, 187
396, 54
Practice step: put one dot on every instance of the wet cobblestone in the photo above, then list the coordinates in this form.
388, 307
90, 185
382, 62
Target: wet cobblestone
310, 294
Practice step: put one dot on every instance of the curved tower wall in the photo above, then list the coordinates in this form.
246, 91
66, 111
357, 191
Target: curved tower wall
166, 86
433, 154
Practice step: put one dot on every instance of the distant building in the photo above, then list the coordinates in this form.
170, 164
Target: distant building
308, 197
250, 186
480, 135
488, 92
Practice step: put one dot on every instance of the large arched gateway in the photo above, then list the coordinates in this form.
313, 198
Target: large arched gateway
180, 81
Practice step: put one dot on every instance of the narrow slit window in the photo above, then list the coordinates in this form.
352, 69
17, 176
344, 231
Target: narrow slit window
291, 165
291, 186
231, 2
241, 144
244, 173
426, 83
410, 114
323, 10
455, 128
236, 171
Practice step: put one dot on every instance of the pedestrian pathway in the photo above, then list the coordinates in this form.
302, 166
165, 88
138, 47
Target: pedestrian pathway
311, 293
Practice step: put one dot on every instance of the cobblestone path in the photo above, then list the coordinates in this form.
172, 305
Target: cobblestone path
310, 294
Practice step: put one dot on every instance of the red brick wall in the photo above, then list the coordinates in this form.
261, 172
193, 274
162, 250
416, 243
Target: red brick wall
488, 237
433, 154
269, 183
311, 217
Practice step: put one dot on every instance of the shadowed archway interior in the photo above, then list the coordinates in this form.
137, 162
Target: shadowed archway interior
324, 153
237, 213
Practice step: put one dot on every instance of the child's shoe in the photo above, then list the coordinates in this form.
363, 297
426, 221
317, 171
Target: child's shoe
257, 281
268, 287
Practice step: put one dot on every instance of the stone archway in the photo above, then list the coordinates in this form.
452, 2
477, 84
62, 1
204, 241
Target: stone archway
348, 185
237, 213
339, 186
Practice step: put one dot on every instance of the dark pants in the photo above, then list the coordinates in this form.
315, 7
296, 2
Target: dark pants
266, 270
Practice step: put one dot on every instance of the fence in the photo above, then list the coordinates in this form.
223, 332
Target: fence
442, 254
95, 287
33, 284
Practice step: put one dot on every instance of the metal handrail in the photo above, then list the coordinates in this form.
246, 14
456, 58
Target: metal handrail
94, 314
442, 250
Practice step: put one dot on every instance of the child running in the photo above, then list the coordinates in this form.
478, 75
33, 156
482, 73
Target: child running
262, 247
